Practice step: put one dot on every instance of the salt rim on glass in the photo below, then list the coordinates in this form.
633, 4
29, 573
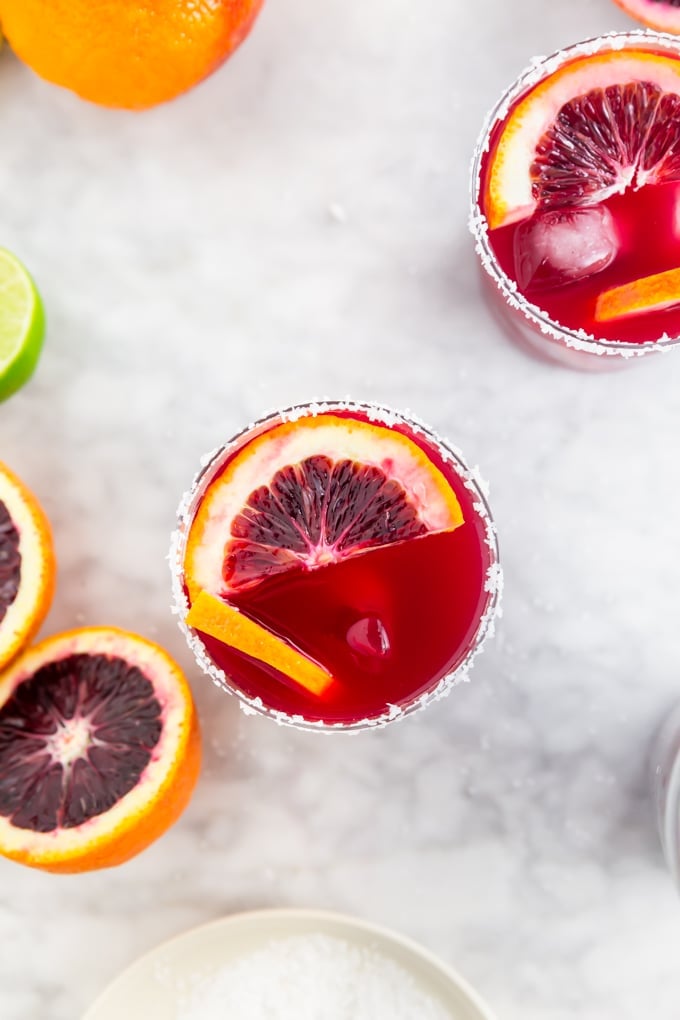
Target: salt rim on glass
534, 318
493, 585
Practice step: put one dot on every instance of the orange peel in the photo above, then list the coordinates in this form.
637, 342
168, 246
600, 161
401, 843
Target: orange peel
648, 294
223, 522
220, 620
508, 194
126, 53
24, 614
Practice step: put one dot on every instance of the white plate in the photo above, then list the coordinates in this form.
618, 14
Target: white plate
147, 990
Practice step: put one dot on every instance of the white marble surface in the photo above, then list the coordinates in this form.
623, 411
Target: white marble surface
297, 227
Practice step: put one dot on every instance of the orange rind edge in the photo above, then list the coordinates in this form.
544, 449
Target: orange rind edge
220, 620
45, 584
498, 211
648, 294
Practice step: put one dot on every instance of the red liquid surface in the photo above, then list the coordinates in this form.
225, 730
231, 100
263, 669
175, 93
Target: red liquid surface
649, 243
647, 224
388, 623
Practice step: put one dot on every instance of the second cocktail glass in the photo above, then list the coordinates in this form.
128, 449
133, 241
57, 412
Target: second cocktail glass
576, 201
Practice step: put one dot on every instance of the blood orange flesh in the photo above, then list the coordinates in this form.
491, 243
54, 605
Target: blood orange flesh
75, 738
27, 565
356, 541
312, 491
99, 750
623, 135
594, 125
600, 132
10, 561
314, 512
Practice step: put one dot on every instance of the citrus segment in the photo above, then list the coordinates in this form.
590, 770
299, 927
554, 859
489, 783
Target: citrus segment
650, 294
22, 325
218, 619
663, 15
128, 53
27, 566
310, 492
10, 561
594, 127
99, 750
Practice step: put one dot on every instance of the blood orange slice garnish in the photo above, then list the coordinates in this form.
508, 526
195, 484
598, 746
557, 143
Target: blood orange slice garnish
663, 15
27, 566
99, 750
599, 124
310, 492
649, 294
218, 619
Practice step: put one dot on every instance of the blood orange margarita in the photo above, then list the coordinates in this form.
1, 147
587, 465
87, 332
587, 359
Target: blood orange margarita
576, 200
336, 565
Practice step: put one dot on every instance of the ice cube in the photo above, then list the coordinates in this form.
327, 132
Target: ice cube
369, 637
564, 245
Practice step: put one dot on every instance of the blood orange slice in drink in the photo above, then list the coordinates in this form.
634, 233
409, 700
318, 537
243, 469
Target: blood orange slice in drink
597, 125
649, 294
309, 492
223, 621
663, 15
99, 750
27, 565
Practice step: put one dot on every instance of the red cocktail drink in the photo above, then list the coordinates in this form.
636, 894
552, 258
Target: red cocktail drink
576, 201
336, 565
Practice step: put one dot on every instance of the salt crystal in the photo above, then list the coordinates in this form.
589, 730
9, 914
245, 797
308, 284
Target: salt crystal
311, 977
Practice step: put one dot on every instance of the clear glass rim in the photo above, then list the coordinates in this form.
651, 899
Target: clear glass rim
671, 824
383, 415
529, 77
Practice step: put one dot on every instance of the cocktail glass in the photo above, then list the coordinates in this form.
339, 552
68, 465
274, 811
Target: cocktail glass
397, 625
639, 218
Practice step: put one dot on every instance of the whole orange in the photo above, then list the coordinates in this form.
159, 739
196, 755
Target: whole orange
126, 53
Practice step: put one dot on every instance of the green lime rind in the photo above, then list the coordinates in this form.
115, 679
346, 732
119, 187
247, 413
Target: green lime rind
22, 325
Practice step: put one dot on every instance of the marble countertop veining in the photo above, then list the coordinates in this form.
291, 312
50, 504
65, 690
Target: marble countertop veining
296, 227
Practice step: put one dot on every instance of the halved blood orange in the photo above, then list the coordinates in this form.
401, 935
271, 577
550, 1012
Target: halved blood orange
99, 750
27, 566
663, 15
313, 491
600, 123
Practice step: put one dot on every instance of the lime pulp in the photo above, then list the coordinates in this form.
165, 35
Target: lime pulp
22, 325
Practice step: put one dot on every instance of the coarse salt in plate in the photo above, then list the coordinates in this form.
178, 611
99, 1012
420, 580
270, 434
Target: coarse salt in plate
240, 963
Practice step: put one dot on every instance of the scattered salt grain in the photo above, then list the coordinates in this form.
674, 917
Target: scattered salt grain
311, 977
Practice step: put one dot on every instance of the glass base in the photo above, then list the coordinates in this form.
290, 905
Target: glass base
544, 347
665, 777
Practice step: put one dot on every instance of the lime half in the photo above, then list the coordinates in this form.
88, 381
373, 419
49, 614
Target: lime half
22, 325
